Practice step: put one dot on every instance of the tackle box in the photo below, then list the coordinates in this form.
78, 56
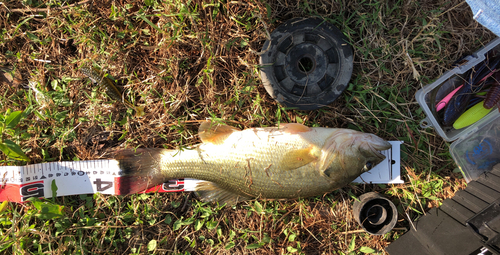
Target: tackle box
476, 148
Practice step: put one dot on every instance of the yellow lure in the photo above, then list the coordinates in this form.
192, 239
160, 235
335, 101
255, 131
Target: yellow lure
471, 116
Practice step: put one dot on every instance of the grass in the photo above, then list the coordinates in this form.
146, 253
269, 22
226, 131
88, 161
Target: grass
186, 61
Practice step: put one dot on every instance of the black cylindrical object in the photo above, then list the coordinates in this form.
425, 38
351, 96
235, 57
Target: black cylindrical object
376, 214
307, 63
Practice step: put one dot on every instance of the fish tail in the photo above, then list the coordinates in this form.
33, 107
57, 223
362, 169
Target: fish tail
141, 169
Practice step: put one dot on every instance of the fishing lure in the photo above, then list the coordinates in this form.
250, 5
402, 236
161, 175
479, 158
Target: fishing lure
493, 95
459, 102
112, 90
447, 99
471, 116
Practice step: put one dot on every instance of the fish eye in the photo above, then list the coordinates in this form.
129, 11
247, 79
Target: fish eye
368, 166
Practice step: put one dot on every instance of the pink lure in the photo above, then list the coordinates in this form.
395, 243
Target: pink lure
446, 99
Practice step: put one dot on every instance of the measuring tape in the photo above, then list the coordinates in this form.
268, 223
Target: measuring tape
18, 183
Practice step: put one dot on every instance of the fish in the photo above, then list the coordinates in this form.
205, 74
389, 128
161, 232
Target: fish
277, 163
112, 90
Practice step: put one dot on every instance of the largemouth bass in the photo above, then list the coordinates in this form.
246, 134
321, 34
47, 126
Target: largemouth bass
288, 162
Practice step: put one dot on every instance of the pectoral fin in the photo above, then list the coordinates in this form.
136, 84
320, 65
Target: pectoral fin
297, 158
210, 192
215, 133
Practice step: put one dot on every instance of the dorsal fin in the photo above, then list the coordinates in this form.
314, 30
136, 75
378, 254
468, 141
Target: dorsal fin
215, 133
210, 192
294, 128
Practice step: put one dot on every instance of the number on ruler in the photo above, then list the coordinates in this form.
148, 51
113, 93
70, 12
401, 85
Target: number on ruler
98, 183
173, 185
34, 189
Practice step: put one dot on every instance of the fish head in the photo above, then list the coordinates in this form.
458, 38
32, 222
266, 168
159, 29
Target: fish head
348, 153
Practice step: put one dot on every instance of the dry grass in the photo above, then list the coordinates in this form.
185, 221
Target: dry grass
189, 62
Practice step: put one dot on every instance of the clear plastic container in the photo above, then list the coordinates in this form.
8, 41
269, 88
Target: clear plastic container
479, 151
469, 139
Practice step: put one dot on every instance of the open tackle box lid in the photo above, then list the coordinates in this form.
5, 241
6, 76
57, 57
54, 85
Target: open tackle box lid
476, 148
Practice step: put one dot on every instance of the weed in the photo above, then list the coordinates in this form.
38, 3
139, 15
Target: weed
8, 123
186, 61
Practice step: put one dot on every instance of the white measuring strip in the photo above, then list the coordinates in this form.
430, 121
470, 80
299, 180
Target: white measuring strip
18, 183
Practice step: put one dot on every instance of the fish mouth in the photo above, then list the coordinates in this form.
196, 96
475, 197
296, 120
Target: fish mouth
374, 145
374, 153
378, 154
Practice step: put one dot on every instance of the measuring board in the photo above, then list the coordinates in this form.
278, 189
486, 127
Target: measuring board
18, 183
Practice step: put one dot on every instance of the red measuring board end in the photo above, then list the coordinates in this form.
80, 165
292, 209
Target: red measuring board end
21, 192
10, 192
170, 186
122, 185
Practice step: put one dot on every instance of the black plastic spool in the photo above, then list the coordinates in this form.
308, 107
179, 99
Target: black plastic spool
307, 64
377, 215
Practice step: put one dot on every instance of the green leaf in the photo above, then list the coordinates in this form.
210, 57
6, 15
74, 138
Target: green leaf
4, 205
211, 224
198, 224
254, 246
32, 37
124, 133
13, 119
168, 219
5, 222
151, 24
352, 245
175, 204
53, 188
365, 249
177, 224
230, 245
291, 249
152, 245
46, 210
12, 150
113, 12
258, 207
21, 23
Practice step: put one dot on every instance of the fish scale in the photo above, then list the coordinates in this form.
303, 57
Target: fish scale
275, 163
